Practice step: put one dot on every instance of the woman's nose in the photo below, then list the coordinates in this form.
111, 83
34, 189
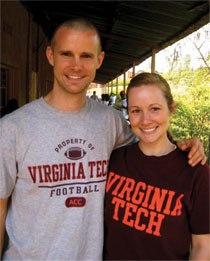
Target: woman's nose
145, 118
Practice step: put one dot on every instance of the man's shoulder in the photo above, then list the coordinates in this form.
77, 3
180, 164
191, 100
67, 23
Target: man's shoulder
100, 107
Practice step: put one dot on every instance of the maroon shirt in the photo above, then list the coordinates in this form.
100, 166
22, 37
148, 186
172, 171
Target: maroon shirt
153, 205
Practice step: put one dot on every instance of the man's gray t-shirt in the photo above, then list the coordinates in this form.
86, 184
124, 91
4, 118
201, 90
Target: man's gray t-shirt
54, 164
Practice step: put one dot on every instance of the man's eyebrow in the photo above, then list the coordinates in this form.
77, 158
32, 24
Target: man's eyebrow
88, 53
83, 53
64, 51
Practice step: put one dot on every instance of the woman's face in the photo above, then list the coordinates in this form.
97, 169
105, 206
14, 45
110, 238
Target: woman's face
148, 113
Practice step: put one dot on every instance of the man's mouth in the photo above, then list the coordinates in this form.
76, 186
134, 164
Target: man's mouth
71, 77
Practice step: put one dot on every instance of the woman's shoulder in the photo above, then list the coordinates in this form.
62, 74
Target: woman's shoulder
125, 149
198, 171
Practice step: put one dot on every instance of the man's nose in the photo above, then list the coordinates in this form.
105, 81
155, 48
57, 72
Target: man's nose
76, 63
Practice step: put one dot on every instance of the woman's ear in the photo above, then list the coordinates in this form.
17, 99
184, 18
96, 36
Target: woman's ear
173, 106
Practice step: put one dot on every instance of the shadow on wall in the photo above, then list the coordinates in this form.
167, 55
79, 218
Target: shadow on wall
11, 106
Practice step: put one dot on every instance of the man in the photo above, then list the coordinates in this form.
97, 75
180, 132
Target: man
112, 99
123, 102
94, 96
54, 154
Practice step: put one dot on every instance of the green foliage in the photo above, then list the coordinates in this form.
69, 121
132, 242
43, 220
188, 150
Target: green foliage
191, 92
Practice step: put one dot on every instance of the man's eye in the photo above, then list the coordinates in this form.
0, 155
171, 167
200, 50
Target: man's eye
86, 56
65, 53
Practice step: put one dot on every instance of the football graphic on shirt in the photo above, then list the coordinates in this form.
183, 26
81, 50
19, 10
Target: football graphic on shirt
75, 153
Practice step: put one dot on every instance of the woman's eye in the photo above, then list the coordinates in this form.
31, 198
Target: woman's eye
156, 109
135, 111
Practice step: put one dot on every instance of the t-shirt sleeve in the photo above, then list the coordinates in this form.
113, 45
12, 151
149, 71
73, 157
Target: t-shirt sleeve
200, 210
125, 135
8, 169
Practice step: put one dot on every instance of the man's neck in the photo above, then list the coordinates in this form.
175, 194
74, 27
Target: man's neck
65, 102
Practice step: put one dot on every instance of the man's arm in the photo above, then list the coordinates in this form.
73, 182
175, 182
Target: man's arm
3, 214
196, 154
200, 247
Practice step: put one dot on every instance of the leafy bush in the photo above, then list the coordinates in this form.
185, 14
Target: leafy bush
191, 91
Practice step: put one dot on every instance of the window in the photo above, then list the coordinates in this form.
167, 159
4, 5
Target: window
3, 86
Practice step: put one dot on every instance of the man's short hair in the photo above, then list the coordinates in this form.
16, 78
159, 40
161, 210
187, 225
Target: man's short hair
78, 24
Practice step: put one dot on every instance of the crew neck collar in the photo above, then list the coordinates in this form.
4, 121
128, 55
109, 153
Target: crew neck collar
61, 112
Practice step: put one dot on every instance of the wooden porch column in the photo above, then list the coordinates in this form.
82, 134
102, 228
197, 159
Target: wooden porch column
116, 85
134, 64
153, 60
124, 81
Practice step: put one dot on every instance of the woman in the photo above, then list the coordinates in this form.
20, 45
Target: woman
157, 206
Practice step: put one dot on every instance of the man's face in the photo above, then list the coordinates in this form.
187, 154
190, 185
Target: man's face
75, 58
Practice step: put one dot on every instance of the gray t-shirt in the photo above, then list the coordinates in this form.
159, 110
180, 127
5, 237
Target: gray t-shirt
54, 164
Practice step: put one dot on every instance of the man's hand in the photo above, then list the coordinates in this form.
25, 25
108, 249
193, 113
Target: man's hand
196, 154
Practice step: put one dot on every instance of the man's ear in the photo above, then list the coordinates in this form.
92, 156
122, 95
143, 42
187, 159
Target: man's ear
100, 59
49, 54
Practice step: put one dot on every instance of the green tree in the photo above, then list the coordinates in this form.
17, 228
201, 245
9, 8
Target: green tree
191, 91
